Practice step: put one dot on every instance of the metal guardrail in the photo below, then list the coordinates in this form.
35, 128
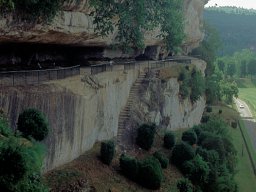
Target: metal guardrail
12, 78
95, 69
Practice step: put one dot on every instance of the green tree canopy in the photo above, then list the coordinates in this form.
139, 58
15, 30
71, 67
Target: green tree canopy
133, 18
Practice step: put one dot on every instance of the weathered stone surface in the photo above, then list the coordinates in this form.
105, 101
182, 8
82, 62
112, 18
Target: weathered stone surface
73, 25
79, 113
83, 110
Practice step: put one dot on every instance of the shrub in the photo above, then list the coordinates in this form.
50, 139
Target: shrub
197, 129
145, 137
185, 185
234, 124
220, 111
197, 170
107, 151
150, 173
129, 166
20, 165
4, 127
32, 123
181, 153
212, 142
164, 161
13, 164
205, 118
169, 140
197, 84
208, 109
184, 90
190, 137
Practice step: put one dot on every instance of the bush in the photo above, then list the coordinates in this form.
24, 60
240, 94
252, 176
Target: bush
107, 151
181, 153
20, 162
190, 137
13, 164
208, 109
197, 129
185, 185
169, 140
197, 84
164, 161
205, 118
34, 10
32, 123
220, 111
150, 173
214, 143
4, 127
234, 124
197, 170
145, 137
129, 166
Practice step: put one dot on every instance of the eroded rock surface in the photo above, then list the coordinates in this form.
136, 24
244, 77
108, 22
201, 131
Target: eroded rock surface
73, 25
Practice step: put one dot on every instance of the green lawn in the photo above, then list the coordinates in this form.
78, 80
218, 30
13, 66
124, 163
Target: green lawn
245, 177
249, 96
247, 92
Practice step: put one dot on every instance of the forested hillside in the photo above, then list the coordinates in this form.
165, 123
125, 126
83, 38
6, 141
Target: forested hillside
236, 26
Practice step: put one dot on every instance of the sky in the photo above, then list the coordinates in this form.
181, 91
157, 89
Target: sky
249, 4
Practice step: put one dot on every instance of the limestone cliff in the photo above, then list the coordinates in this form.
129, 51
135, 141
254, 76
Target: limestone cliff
73, 25
85, 109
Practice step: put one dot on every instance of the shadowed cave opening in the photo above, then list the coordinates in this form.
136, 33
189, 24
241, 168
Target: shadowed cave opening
29, 56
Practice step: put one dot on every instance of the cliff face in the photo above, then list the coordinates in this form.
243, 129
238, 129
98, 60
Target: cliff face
73, 25
84, 109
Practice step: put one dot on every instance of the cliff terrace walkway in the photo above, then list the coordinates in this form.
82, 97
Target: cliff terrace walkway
33, 77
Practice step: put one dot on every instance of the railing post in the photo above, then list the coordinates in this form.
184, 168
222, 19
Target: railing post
37, 77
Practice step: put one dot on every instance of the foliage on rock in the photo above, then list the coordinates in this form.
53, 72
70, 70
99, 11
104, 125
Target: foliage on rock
133, 17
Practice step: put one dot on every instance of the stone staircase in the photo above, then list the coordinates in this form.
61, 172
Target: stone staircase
123, 134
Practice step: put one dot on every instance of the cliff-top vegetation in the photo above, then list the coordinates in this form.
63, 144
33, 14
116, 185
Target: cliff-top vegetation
132, 18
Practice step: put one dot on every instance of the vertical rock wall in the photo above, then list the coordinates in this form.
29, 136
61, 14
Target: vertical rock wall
78, 114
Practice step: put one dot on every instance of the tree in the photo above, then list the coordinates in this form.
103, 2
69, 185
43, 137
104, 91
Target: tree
252, 67
243, 69
33, 123
197, 170
221, 65
231, 69
228, 90
133, 17
197, 85
208, 48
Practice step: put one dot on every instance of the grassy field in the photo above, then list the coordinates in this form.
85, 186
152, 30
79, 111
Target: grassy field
245, 177
249, 96
247, 92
